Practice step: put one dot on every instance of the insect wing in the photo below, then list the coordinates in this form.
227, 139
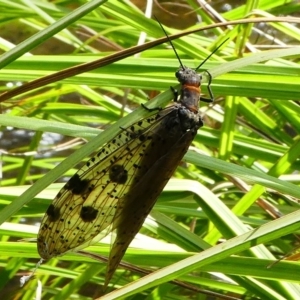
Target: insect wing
84, 210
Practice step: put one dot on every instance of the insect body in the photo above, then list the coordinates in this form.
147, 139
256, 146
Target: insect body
117, 188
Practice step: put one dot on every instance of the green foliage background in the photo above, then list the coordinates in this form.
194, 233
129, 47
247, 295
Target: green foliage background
239, 176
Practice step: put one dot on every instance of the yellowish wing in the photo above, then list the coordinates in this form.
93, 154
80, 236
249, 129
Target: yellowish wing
84, 209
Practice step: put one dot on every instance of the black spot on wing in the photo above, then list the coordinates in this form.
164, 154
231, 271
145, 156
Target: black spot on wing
53, 213
117, 173
88, 213
77, 185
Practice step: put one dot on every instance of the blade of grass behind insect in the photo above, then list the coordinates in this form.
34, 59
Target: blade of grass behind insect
290, 111
49, 126
259, 86
161, 77
173, 232
69, 289
11, 269
289, 30
219, 214
252, 59
40, 9
251, 147
272, 230
129, 14
154, 73
41, 36
262, 121
227, 130
246, 29
238, 12
85, 67
281, 166
248, 175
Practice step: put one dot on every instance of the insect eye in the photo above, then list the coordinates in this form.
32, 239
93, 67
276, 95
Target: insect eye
178, 73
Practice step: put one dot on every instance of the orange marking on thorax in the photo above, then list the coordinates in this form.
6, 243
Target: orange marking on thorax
193, 109
192, 87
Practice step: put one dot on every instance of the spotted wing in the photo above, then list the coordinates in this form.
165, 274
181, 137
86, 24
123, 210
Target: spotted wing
84, 210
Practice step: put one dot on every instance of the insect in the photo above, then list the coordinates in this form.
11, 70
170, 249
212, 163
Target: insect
117, 188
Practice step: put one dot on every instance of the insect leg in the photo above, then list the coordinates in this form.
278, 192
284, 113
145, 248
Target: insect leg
211, 95
151, 109
175, 93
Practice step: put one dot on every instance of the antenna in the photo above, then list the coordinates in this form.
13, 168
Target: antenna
182, 66
203, 62
212, 53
